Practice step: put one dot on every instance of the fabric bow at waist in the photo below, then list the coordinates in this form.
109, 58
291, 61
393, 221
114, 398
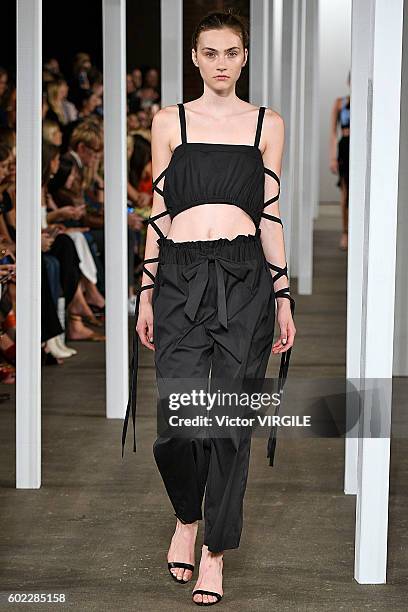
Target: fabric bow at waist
197, 276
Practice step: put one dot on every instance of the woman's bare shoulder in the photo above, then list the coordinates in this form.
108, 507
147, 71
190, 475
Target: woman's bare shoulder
165, 116
164, 125
273, 122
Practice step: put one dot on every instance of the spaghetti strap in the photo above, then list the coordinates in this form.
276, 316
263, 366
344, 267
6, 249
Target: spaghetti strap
259, 125
182, 115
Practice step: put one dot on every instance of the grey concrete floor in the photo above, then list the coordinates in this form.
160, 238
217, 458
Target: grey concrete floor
98, 529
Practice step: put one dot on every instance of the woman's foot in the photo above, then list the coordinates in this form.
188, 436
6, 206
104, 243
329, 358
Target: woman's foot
76, 330
182, 549
79, 305
210, 576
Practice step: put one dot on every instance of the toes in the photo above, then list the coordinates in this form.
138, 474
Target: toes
198, 598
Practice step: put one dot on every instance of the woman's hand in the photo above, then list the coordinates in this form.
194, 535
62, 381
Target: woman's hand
286, 325
135, 221
334, 165
71, 212
46, 242
144, 326
144, 199
7, 268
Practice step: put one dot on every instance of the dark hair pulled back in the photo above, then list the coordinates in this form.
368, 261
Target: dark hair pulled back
216, 20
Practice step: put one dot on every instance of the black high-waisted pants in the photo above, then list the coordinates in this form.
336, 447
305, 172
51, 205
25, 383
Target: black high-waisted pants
214, 306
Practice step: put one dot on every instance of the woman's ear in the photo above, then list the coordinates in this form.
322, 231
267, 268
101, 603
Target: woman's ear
246, 57
194, 58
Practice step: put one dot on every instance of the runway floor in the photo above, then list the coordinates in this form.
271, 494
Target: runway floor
99, 527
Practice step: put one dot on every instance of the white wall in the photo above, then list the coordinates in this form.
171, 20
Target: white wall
335, 62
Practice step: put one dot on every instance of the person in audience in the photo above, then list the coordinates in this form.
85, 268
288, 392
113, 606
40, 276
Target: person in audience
53, 68
51, 214
149, 93
9, 107
51, 132
81, 66
88, 102
8, 186
133, 99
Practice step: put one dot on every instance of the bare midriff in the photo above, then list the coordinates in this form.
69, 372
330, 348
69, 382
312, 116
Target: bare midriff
210, 222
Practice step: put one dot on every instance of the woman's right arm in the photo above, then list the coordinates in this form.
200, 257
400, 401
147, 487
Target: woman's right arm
161, 154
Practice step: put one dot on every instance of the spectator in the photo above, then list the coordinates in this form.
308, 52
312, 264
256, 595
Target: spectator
51, 132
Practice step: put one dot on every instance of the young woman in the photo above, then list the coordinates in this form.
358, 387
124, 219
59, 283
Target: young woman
339, 156
215, 264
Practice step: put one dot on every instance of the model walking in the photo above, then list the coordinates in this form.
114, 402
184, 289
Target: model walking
214, 266
339, 158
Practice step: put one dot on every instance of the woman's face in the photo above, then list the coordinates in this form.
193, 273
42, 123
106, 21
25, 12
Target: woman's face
152, 78
92, 102
133, 121
220, 52
130, 87
137, 77
143, 119
63, 90
56, 136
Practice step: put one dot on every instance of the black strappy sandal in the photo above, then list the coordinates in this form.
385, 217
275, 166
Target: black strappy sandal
173, 564
208, 603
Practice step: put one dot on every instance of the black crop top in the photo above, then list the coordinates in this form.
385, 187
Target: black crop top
201, 173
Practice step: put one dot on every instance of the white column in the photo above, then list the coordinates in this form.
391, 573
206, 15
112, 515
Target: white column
400, 367
172, 51
275, 55
115, 167
299, 31
260, 36
360, 44
314, 60
28, 242
288, 112
308, 143
384, 89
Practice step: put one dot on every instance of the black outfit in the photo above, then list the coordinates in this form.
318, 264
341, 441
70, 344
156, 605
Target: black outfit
343, 147
63, 248
214, 307
50, 323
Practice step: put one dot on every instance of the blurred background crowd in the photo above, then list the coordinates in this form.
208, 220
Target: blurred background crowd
72, 203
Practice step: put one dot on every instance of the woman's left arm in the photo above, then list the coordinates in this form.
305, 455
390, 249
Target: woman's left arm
272, 236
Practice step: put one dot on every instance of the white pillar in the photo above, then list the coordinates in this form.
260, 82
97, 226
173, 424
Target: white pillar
28, 241
260, 66
400, 367
308, 143
360, 44
288, 111
384, 89
115, 167
171, 51
275, 58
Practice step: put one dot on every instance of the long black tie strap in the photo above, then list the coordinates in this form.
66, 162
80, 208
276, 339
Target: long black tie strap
133, 377
283, 372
